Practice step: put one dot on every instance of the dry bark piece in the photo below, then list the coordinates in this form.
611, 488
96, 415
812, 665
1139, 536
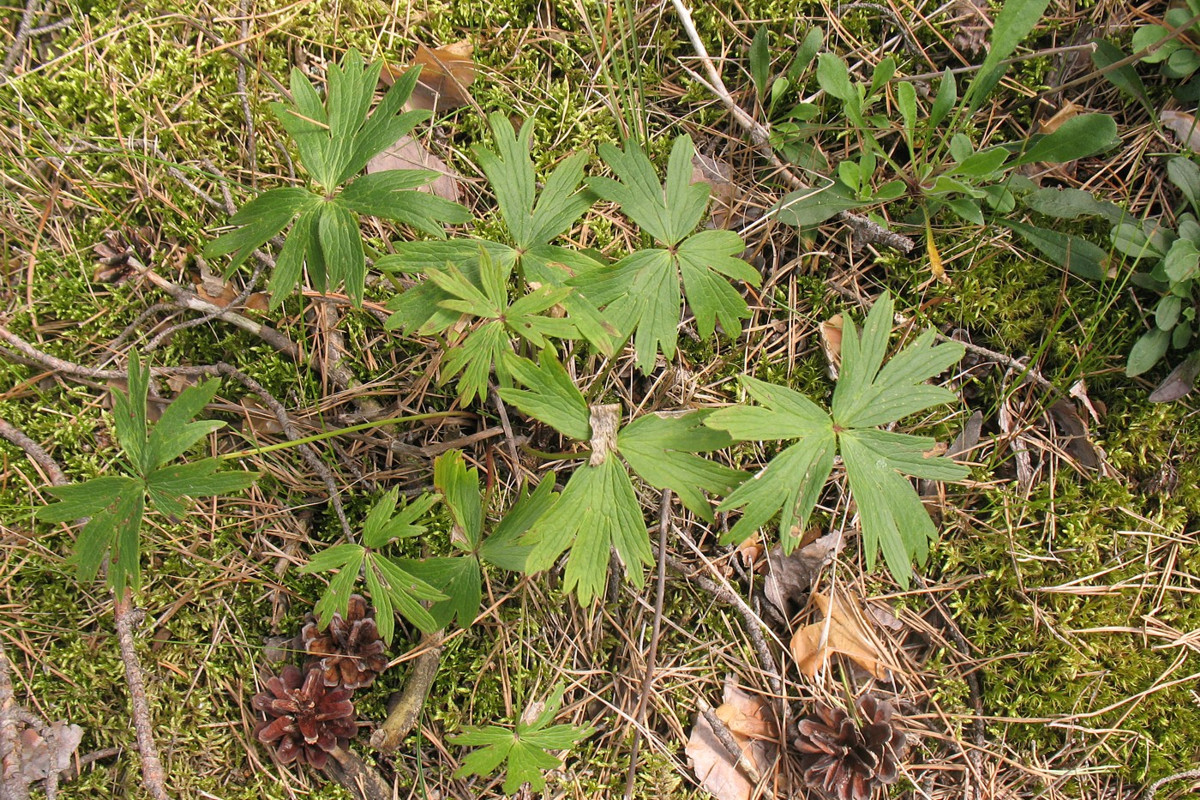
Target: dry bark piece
350, 652
847, 758
305, 719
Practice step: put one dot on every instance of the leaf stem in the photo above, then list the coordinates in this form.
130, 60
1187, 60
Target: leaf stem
320, 437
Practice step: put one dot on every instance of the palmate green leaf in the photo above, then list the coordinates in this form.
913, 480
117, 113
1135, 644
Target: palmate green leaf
502, 548
596, 513
667, 212
392, 195
259, 220
869, 393
551, 396
383, 523
661, 448
458, 578
198, 479
641, 294
523, 747
114, 530
174, 433
79, 500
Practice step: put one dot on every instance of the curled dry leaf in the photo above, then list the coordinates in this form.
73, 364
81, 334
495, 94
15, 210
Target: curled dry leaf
790, 577
1065, 113
831, 343
1071, 433
843, 630
725, 194
750, 721
447, 73
973, 25
1183, 125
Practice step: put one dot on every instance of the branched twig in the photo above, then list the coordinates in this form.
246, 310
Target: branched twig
1161, 782
664, 523
761, 137
35, 452
404, 707
24, 29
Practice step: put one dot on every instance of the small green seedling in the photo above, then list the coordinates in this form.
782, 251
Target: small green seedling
117, 503
460, 577
869, 394
524, 749
391, 586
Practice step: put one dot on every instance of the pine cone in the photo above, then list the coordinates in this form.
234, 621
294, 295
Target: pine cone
305, 720
119, 248
350, 653
845, 760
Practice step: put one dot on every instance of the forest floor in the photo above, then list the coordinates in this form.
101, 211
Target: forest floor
1048, 646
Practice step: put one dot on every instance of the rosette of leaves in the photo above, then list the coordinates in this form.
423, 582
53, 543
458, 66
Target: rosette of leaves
117, 503
336, 138
641, 294
868, 394
598, 511
391, 587
460, 577
306, 719
523, 749
1168, 262
469, 276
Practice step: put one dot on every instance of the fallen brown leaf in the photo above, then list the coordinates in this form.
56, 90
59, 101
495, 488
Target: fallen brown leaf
725, 193
972, 26
1062, 115
842, 631
750, 721
447, 73
789, 578
409, 153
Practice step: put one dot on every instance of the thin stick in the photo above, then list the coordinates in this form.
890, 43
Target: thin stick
35, 452
127, 618
508, 431
761, 137
1179, 776
639, 715
405, 705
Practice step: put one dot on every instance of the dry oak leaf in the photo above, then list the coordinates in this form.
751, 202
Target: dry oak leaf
752, 726
447, 73
844, 631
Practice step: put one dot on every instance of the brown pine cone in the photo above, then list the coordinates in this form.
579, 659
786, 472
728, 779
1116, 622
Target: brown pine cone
845, 758
350, 653
305, 720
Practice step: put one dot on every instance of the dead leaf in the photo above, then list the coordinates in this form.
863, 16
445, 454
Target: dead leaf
750, 721
447, 73
790, 578
842, 631
409, 153
1072, 434
258, 301
1062, 115
725, 193
831, 343
1079, 391
259, 420
1183, 125
750, 551
972, 25
213, 288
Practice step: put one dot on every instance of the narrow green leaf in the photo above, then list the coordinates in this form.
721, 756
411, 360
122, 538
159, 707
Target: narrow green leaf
259, 220
79, 500
300, 246
760, 61
1084, 135
943, 102
1016, 20
862, 357
784, 414
502, 549
459, 487
175, 432
129, 414
551, 397
1147, 351
1125, 78
342, 248
1076, 254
